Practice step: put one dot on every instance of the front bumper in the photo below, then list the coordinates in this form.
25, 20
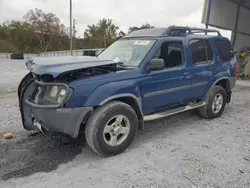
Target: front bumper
62, 120
54, 118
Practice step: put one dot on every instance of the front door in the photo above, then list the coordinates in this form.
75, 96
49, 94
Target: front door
171, 86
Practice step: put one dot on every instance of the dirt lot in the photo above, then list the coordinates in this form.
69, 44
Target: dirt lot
180, 151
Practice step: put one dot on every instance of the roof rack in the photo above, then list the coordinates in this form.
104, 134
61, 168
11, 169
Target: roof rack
183, 31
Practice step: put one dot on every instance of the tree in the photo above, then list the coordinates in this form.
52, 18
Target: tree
23, 35
144, 26
40, 31
101, 34
17, 36
47, 29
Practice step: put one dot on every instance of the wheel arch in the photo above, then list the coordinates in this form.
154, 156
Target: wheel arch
23, 82
131, 100
223, 82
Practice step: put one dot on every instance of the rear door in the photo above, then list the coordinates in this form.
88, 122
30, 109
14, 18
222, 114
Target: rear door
225, 60
202, 57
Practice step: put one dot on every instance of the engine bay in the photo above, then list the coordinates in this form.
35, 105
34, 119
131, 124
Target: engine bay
86, 72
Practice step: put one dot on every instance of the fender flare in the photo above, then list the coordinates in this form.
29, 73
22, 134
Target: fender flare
219, 79
138, 104
136, 99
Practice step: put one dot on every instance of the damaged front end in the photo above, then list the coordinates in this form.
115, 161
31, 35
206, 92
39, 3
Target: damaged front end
42, 99
37, 96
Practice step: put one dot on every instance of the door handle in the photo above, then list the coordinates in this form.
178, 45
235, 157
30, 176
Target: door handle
187, 75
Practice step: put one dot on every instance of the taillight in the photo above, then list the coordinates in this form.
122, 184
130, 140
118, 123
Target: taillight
235, 69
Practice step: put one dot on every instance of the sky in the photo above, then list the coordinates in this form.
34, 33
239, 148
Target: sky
159, 13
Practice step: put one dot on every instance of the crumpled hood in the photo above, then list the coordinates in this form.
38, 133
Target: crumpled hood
57, 65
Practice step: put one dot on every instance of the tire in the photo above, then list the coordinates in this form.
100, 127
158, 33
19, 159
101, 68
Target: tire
207, 110
102, 143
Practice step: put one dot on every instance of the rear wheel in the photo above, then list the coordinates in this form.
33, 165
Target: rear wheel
215, 103
111, 128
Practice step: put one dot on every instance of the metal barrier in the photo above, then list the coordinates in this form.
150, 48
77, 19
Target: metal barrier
8, 55
87, 52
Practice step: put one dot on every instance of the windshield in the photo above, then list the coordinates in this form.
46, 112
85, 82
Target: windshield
129, 52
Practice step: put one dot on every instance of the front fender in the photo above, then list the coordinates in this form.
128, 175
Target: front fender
109, 91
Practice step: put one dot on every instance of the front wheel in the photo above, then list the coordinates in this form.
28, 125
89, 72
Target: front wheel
111, 128
215, 103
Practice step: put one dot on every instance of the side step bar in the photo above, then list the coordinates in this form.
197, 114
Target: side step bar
159, 115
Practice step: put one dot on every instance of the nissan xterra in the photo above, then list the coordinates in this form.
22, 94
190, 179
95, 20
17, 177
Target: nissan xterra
145, 75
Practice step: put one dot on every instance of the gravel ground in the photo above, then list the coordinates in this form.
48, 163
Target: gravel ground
11, 74
180, 151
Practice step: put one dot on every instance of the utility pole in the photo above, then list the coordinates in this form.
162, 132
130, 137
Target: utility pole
105, 36
104, 39
74, 32
70, 12
74, 27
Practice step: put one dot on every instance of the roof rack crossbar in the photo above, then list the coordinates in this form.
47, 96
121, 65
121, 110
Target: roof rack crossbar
175, 30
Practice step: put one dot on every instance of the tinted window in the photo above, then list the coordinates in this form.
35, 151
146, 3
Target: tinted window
175, 54
174, 46
201, 51
209, 51
198, 51
224, 47
171, 53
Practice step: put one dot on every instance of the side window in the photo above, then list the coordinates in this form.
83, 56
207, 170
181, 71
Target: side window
201, 51
224, 47
209, 50
172, 53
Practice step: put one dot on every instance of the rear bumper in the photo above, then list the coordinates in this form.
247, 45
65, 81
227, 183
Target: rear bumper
62, 120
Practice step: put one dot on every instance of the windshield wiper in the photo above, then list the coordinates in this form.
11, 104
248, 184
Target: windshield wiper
124, 66
121, 65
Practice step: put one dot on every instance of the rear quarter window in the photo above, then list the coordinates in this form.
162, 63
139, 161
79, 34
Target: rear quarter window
224, 48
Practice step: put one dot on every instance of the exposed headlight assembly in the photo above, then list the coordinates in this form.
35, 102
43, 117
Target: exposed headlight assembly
61, 95
49, 93
57, 93
54, 91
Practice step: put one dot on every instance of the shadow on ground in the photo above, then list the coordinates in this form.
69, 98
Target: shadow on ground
37, 153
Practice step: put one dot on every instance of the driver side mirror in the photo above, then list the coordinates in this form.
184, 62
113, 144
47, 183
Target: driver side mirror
156, 64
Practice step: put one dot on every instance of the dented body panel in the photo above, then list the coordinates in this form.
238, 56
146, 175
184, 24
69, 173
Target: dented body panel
56, 65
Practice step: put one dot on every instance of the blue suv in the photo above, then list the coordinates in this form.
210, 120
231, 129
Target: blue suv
146, 75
